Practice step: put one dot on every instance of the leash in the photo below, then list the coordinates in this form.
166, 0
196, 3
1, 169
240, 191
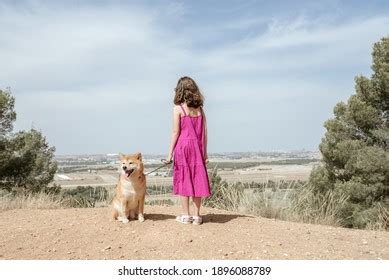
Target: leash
165, 163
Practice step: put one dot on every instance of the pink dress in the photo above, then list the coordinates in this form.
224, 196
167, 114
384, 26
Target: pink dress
190, 177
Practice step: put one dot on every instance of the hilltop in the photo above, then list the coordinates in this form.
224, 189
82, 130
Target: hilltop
89, 233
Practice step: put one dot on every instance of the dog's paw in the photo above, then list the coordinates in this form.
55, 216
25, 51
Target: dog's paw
141, 218
125, 220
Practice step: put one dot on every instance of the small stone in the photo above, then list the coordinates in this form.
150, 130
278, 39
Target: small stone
285, 254
190, 241
364, 242
107, 248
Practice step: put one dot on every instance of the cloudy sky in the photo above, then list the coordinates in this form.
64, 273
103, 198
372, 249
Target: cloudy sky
98, 76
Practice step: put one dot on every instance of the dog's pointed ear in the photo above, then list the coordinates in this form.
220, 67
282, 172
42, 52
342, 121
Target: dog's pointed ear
138, 156
121, 156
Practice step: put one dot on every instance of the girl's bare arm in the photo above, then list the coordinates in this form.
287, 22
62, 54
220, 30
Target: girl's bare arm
175, 132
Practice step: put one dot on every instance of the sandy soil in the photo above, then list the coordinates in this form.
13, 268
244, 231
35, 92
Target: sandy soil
91, 234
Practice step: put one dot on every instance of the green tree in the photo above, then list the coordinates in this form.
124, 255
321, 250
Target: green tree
7, 113
7, 117
26, 160
355, 146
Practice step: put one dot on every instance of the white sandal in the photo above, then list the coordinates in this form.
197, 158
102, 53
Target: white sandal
184, 219
197, 220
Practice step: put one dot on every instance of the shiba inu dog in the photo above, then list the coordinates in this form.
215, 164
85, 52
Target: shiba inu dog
131, 189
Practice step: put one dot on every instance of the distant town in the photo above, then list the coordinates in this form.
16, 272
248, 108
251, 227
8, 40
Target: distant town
112, 158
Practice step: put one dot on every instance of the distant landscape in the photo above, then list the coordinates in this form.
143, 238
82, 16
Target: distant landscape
247, 167
277, 172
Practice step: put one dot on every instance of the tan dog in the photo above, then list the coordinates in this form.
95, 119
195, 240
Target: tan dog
131, 189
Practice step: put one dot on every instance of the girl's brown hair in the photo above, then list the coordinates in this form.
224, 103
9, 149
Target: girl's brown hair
187, 91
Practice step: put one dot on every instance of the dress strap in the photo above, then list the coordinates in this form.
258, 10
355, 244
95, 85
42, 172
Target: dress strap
182, 108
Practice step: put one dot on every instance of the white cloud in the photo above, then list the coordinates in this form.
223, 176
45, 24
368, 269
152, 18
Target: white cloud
48, 50
300, 44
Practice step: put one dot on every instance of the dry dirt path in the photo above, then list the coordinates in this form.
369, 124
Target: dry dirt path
91, 234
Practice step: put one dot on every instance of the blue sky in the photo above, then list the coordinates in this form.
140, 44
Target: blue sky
98, 76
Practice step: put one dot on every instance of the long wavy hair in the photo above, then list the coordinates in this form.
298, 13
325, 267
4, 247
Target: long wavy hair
188, 92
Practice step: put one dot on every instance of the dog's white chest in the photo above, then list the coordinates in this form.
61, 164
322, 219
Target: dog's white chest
128, 189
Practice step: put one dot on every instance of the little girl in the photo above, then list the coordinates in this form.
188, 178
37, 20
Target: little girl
189, 143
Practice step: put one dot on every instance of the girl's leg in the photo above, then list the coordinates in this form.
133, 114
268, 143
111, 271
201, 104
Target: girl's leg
197, 205
185, 205
184, 217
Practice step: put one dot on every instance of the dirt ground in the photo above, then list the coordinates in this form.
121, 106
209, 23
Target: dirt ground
91, 234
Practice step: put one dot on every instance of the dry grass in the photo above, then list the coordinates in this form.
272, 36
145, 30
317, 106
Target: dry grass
30, 201
95, 198
276, 201
308, 207
382, 222
265, 202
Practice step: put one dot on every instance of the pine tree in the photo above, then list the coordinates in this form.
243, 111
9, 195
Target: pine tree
355, 147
